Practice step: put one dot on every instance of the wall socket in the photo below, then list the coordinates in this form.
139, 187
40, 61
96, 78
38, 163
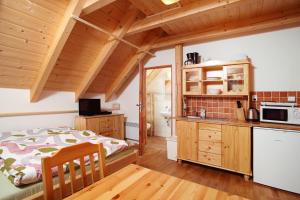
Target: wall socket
291, 99
254, 97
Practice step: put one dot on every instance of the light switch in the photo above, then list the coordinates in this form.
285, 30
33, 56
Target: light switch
254, 97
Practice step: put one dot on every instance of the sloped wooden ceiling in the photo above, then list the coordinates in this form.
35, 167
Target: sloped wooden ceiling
91, 61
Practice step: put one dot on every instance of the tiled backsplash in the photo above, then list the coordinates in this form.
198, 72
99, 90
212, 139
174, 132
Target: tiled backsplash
216, 107
225, 107
275, 96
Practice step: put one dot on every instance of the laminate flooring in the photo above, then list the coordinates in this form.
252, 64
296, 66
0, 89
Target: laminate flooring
155, 157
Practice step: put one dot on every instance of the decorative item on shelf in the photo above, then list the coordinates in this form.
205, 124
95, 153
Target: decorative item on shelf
115, 106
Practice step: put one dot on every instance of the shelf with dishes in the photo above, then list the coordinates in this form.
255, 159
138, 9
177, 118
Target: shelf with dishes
227, 80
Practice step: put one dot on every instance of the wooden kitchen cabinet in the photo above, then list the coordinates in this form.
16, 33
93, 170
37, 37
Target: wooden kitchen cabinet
223, 146
187, 134
236, 148
106, 125
236, 79
217, 78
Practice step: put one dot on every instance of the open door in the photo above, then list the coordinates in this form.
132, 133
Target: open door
142, 109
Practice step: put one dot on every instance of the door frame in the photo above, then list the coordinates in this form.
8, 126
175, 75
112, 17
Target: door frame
142, 104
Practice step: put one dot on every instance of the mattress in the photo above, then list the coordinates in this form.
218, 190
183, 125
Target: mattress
9, 191
21, 151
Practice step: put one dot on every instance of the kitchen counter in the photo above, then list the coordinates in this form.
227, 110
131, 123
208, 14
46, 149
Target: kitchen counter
241, 123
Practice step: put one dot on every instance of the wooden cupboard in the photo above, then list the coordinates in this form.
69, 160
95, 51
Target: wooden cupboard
218, 145
236, 147
106, 125
217, 78
188, 139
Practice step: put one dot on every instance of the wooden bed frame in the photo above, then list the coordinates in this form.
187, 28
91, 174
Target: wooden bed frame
111, 167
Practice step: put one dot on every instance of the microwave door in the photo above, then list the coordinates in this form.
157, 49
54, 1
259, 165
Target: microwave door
276, 115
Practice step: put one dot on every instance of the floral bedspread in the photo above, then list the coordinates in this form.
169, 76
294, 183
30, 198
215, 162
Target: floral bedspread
21, 151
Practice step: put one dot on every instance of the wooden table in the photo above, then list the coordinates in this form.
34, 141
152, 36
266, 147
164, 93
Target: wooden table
136, 182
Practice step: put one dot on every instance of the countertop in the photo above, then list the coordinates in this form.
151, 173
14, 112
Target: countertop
241, 123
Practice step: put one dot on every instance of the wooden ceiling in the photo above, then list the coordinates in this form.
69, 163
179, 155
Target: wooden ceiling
43, 48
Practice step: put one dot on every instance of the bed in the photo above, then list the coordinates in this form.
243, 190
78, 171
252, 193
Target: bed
21, 152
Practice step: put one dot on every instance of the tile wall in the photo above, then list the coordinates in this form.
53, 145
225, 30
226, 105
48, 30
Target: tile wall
216, 107
276, 96
225, 107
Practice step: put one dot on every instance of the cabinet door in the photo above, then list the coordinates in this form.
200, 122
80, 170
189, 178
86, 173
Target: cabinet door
191, 81
93, 125
236, 148
187, 140
236, 79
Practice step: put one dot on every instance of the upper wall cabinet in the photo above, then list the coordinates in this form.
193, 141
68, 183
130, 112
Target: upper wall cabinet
217, 78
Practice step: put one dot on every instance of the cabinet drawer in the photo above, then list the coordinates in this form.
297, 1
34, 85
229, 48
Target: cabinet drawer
209, 135
209, 158
212, 127
209, 147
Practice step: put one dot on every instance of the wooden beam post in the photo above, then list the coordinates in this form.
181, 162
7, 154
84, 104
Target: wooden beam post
62, 34
128, 69
172, 15
93, 5
247, 27
106, 52
178, 65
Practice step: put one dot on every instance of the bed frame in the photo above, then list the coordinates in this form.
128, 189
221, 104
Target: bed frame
111, 167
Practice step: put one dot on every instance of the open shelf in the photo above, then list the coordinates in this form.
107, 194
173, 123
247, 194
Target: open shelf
217, 80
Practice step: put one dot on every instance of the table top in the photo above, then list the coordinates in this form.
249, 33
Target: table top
136, 182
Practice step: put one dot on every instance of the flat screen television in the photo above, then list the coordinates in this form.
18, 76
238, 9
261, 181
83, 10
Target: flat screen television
89, 106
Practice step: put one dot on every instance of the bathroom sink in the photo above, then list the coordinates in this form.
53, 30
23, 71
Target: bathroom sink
166, 114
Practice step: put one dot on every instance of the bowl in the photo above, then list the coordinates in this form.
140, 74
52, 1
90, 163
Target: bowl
214, 91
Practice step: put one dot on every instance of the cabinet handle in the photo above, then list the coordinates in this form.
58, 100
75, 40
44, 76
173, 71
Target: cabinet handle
209, 136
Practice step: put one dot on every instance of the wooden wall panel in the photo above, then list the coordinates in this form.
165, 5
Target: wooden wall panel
116, 63
82, 48
26, 30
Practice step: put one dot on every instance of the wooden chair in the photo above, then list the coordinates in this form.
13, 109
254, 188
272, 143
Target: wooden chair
68, 155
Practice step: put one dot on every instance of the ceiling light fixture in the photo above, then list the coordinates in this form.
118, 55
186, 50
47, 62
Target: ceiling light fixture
169, 2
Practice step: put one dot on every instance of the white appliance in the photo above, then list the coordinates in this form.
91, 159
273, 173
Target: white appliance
276, 159
285, 113
172, 148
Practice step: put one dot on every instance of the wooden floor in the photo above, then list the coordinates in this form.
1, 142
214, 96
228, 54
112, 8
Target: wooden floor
155, 158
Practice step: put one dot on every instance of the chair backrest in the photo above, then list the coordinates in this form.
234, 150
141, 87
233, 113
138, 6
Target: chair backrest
68, 155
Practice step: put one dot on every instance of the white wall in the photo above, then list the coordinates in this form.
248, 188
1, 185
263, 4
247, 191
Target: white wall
17, 100
275, 56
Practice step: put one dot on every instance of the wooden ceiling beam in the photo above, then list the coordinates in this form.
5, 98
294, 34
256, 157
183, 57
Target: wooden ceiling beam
246, 27
93, 5
129, 68
160, 19
106, 51
62, 34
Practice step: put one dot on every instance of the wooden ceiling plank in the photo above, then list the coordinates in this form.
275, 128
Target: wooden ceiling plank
62, 34
106, 51
129, 68
172, 15
246, 27
93, 5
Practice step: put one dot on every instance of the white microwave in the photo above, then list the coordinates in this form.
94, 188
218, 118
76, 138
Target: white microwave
285, 113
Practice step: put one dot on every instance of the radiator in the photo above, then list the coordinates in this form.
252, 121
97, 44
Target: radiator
132, 130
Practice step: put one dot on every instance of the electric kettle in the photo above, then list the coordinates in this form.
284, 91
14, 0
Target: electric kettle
252, 115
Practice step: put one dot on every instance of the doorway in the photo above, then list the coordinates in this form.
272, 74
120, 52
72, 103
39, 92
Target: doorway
158, 104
